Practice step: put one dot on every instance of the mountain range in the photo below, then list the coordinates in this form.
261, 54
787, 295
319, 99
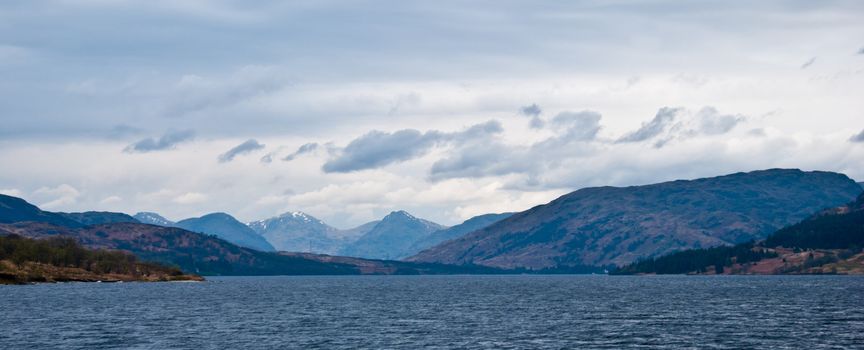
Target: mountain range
196, 252
579, 231
618, 225
392, 238
300, 232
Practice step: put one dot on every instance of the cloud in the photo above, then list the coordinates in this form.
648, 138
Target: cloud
575, 131
857, 137
111, 200
711, 122
534, 112
576, 138
662, 120
861, 51
579, 126
531, 111
190, 198
808, 63
377, 148
11, 192
167, 141
62, 195
304, 149
250, 145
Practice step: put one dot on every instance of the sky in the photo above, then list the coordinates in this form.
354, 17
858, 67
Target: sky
348, 110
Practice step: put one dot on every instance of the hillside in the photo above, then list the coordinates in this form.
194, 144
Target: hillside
98, 217
228, 228
828, 242
58, 259
470, 225
14, 209
618, 225
392, 237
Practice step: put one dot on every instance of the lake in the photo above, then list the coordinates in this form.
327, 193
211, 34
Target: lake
409, 312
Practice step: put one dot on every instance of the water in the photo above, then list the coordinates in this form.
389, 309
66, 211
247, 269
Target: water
410, 312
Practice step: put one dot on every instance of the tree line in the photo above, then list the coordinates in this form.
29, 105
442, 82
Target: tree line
66, 252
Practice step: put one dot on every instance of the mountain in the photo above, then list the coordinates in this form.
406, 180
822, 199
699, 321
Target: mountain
14, 209
352, 234
228, 228
153, 219
299, 232
392, 237
470, 225
828, 242
861, 184
618, 225
195, 252
191, 251
98, 217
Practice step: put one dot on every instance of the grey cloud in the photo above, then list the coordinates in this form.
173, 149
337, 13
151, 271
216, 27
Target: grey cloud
857, 137
575, 133
534, 112
808, 63
576, 137
578, 126
711, 122
377, 148
480, 160
249, 146
531, 111
306, 148
664, 118
861, 51
167, 141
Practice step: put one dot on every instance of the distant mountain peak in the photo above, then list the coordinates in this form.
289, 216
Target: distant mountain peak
400, 214
152, 219
299, 215
228, 228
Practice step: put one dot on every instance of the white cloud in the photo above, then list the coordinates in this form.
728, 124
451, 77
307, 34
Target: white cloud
11, 192
61, 196
111, 200
190, 198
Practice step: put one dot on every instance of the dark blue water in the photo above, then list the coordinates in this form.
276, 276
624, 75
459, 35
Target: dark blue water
409, 312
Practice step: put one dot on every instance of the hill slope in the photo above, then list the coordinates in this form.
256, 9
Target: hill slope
392, 237
612, 225
470, 225
14, 209
98, 217
829, 242
228, 228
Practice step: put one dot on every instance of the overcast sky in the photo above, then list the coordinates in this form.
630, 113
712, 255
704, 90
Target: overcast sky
349, 110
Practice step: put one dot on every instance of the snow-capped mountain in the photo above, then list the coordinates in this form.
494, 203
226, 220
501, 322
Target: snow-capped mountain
153, 219
301, 232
